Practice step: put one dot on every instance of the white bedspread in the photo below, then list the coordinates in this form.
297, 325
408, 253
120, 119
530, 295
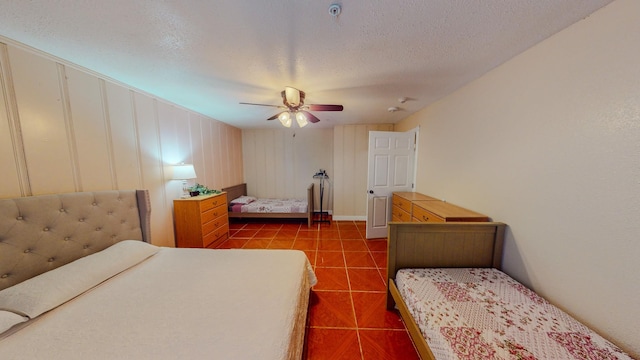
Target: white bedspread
178, 304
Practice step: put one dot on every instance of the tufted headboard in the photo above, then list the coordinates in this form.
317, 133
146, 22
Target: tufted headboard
41, 233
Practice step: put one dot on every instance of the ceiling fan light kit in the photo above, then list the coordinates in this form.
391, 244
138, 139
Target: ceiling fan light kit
293, 100
285, 119
301, 119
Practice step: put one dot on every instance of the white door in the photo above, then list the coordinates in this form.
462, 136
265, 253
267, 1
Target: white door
391, 168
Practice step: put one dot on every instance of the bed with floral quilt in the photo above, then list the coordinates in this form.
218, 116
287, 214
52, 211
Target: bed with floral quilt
456, 303
243, 206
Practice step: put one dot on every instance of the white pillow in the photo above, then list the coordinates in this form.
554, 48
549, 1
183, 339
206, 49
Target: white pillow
243, 200
8, 319
48, 290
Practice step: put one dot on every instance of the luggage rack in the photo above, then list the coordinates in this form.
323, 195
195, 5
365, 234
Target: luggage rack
324, 215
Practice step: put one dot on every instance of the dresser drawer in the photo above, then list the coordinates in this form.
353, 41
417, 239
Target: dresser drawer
402, 203
213, 213
216, 236
422, 215
398, 214
214, 224
210, 203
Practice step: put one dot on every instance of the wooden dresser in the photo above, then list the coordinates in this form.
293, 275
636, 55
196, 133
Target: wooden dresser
416, 207
201, 221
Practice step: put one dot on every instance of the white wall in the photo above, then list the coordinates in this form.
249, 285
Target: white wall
549, 143
66, 129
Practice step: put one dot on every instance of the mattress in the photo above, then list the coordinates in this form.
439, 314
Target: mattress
485, 314
271, 206
180, 304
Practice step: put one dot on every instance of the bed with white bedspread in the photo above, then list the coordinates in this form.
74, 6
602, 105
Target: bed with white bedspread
77, 282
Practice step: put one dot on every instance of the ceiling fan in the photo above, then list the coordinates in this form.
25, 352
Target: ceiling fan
293, 100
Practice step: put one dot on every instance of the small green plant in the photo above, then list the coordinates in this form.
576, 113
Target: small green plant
203, 190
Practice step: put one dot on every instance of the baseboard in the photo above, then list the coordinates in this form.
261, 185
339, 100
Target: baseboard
348, 218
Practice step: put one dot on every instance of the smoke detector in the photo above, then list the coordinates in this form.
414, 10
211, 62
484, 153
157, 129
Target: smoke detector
335, 10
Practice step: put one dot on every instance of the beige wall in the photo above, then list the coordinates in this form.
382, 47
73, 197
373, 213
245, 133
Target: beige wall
282, 162
65, 129
351, 143
549, 143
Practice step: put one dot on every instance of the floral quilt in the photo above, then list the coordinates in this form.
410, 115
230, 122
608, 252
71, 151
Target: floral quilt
272, 206
485, 314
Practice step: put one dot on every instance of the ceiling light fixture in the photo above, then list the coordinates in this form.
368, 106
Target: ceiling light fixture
392, 109
285, 119
301, 119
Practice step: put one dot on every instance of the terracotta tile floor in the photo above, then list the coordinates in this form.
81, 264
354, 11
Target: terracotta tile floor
347, 316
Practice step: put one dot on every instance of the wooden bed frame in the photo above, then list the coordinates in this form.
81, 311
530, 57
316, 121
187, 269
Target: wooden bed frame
236, 191
438, 245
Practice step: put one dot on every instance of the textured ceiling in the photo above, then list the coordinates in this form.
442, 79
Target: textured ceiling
210, 55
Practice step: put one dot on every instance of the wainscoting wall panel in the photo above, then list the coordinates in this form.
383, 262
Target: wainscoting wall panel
64, 129
126, 167
39, 98
12, 180
281, 162
89, 130
351, 144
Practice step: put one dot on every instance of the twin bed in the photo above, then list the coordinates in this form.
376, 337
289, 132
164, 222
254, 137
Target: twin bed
80, 280
444, 278
242, 206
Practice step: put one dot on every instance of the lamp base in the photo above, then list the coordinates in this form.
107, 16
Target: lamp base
185, 190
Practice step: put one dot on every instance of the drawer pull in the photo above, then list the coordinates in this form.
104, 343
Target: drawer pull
425, 218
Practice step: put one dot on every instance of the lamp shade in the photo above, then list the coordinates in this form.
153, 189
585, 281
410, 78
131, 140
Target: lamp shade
285, 119
301, 119
183, 172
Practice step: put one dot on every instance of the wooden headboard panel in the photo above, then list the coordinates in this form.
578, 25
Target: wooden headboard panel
235, 191
41, 233
433, 245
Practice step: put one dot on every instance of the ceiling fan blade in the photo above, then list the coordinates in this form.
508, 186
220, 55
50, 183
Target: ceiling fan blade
312, 118
275, 116
276, 106
319, 107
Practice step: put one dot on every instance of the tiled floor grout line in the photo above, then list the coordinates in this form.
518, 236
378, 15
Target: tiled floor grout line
353, 307
353, 310
317, 237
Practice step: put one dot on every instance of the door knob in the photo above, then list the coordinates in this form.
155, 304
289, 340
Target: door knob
371, 192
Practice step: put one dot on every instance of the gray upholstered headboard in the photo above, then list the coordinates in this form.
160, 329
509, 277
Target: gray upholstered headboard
41, 233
